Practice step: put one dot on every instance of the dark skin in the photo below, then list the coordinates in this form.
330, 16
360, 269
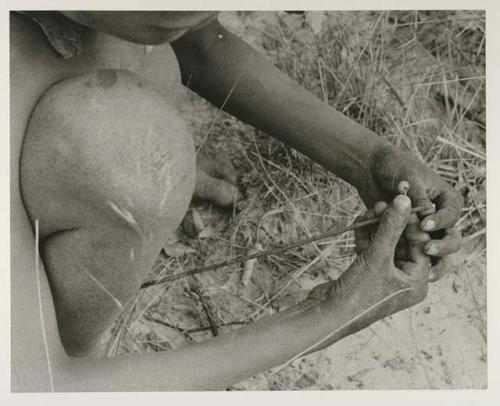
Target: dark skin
333, 310
351, 151
354, 153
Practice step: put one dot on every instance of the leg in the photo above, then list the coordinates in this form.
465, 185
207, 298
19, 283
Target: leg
107, 169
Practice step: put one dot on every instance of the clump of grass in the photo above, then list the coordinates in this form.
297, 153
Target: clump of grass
415, 78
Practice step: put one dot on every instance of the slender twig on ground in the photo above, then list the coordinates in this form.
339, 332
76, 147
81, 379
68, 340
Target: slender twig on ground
276, 250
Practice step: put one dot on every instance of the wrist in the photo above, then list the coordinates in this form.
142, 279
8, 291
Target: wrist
351, 150
367, 182
342, 312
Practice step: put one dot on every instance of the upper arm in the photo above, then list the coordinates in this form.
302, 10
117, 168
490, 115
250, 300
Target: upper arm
212, 57
196, 45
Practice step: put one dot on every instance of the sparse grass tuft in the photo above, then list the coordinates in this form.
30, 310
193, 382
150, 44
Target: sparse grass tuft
416, 78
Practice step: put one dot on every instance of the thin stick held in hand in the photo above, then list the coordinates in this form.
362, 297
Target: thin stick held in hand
271, 251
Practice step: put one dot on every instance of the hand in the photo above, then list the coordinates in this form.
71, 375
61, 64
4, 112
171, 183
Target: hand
216, 180
381, 281
388, 168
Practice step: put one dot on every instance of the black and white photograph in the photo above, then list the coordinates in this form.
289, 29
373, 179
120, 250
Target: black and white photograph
278, 200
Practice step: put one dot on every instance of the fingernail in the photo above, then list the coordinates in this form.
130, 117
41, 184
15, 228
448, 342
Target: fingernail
429, 225
402, 203
431, 250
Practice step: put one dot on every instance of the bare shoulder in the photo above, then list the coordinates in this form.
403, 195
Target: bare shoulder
36, 350
33, 55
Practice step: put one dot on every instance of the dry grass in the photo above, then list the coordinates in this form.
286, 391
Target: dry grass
416, 78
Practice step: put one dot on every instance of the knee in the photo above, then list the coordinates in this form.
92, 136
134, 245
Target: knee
106, 145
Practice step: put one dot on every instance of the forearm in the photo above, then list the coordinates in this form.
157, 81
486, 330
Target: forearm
217, 64
220, 362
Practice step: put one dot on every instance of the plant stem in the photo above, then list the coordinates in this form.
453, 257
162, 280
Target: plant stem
271, 251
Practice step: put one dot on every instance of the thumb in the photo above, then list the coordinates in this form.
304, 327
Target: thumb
391, 227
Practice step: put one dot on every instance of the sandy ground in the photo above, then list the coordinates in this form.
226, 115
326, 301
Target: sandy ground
438, 344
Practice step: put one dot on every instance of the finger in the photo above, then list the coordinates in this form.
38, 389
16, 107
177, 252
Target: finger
215, 190
391, 227
216, 165
402, 248
223, 169
380, 207
419, 197
418, 267
443, 267
448, 204
413, 233
417, 254
448, 245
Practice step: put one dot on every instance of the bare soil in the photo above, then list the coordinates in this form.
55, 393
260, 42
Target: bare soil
416, 78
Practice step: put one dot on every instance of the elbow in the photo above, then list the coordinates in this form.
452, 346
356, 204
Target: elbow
74, 374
